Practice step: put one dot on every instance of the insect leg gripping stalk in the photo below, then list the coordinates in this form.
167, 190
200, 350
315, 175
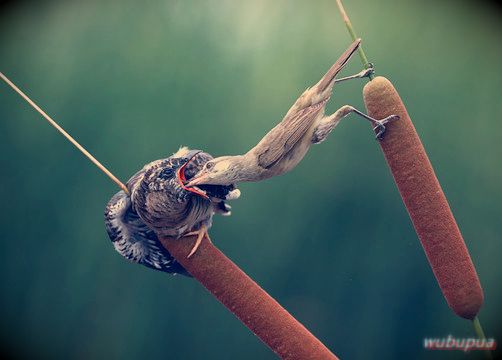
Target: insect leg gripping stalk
264, 316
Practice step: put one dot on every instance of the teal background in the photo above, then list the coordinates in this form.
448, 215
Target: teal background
331, 241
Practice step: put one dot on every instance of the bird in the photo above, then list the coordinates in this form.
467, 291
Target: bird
283, 147
158, 204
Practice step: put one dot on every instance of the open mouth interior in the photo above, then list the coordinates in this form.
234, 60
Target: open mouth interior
206, 191
183, 180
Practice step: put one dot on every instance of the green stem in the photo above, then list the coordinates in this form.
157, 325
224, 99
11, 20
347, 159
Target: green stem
481, 335
353, 35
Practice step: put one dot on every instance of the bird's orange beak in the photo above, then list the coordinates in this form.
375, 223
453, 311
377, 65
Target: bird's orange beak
180, 174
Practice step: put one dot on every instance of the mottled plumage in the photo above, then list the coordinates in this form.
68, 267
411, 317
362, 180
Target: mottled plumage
159, 205
133, 239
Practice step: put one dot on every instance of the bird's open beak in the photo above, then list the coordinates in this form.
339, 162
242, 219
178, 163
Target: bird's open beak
198, 179
180, 174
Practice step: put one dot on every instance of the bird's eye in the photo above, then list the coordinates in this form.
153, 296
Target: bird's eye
209, 165
166, 173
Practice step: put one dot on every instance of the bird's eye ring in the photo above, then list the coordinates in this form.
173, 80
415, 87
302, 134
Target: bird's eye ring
209, 165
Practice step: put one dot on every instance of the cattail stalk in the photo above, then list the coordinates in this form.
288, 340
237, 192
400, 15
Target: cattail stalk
64, 133
353, 35
425, 201
247, 300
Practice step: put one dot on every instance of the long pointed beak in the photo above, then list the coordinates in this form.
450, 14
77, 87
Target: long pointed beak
197, 180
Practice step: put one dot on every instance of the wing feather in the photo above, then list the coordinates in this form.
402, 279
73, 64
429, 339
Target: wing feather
281, 139
134, 240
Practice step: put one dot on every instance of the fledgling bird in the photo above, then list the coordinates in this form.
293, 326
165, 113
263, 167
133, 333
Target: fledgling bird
160, 205
285, 145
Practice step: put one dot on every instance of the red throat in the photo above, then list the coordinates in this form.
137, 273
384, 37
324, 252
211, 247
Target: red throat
180, 174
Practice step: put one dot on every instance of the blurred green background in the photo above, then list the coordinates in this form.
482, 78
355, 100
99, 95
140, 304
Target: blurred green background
331, 241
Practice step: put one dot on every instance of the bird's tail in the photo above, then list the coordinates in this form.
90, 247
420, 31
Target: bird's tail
327, 81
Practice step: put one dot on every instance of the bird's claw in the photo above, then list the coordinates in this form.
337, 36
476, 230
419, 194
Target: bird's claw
380, 131
370, 70
380, 127
200, 235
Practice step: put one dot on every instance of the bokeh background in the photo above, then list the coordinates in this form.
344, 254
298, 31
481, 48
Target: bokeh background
331, 241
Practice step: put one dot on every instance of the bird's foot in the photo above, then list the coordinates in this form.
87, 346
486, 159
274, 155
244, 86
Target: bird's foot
200, 235
380, 125
369, 71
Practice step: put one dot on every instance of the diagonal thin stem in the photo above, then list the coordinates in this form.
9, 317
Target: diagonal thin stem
65, 134
353, 35
481, 335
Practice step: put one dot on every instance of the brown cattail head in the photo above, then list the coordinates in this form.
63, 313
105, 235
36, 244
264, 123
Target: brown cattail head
425, 201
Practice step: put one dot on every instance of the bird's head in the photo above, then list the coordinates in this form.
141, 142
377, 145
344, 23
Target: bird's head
222, 170
168, 175
169, 178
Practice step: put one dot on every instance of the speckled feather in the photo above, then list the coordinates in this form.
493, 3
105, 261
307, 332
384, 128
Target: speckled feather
159, 205
133, 239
